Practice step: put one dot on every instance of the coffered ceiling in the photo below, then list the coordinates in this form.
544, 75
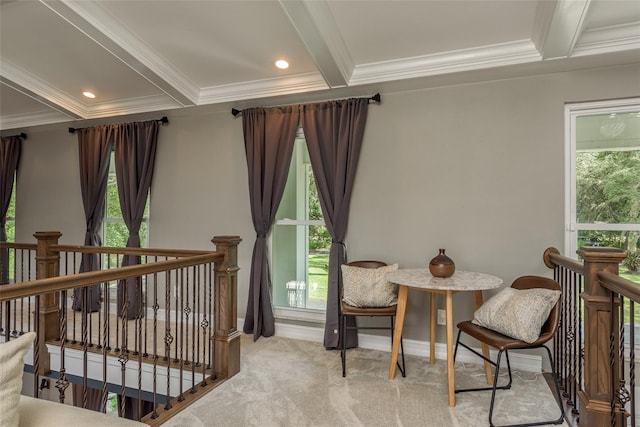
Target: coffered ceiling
142, 55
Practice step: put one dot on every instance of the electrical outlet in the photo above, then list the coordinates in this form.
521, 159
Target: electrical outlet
442, 317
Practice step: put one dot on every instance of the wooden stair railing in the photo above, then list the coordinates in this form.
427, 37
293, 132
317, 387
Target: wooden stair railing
591, 353
221, 348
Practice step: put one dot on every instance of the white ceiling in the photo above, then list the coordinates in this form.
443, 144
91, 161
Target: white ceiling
143, 55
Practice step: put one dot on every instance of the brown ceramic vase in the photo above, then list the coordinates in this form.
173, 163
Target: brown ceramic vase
441, 265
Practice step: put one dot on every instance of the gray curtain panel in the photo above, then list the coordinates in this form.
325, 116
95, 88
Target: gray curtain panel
269, 134
9, 158
95, 145
135, 153
334, 132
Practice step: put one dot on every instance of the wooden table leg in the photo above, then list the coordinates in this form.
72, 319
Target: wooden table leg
450, 367
403, 291
432, 329
477, 301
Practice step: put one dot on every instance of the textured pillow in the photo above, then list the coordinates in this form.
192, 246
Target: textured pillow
517, 313
11, 366
368, 287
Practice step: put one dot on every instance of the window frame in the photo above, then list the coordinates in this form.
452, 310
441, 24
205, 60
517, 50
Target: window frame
572, 113
307, 314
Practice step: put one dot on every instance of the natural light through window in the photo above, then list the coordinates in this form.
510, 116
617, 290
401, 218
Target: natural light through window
604, 187
300, 244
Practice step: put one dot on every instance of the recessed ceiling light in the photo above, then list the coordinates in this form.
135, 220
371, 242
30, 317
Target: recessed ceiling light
282, 64
88, 94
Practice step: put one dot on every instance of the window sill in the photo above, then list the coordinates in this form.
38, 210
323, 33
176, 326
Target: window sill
300, 314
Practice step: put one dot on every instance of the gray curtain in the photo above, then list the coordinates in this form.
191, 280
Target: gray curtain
334, 131
269, 136
9, 158
95, 145
135, 153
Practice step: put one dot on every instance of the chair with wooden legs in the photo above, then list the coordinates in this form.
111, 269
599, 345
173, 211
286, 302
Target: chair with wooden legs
350, 310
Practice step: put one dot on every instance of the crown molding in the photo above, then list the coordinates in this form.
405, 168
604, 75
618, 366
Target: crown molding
96, 23
33, 119
37, 89
131, 106
609, 39
276, 86
503, 54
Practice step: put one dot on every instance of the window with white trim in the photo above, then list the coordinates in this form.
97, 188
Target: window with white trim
114, 229
603, 180
300, 244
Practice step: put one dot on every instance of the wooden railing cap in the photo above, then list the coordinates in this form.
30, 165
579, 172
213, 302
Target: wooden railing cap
602, 254
226, 239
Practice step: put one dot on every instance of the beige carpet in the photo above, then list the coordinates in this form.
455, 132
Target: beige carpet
285, 382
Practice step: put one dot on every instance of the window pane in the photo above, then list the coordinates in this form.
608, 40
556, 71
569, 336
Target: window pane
607, 168
112, 201
11, 212
300, 251
300, 274
116, 234
10, 223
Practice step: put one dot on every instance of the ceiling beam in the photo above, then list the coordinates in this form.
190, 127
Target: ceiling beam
93, 21
319, 32
558, 25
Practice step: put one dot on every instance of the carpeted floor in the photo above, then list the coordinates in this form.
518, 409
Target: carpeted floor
285, 382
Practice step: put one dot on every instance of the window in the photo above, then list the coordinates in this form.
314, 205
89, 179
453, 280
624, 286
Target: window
10, 228
603, 207
114, 229
10, 219
300, 244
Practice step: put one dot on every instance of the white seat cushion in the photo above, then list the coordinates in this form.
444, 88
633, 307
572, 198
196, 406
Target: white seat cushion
11, 367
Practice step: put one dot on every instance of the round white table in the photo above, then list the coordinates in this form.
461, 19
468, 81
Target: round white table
421, 279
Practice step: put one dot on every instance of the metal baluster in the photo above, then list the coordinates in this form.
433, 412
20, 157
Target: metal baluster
168, 338
62, 383
193, 328
632, 361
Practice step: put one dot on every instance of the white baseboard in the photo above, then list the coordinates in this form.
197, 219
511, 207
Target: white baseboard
519, 361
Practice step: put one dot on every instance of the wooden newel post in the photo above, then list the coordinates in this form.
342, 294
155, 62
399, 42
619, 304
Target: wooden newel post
595, 398
47, 265
226, 336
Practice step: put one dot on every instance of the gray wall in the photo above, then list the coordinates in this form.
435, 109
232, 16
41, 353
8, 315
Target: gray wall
477, 169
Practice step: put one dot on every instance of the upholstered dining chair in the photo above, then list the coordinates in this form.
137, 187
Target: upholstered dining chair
524, 316
365, 292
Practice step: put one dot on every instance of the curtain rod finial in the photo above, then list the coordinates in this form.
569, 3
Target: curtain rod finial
164, 120
235, 112
23, 135
376, 98
72, 130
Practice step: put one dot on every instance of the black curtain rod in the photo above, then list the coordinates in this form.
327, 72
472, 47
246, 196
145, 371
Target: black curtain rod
20, 135
164, 120
375, 98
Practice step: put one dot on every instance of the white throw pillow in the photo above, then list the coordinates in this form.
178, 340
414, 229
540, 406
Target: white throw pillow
368, 287
11, 367
517, 313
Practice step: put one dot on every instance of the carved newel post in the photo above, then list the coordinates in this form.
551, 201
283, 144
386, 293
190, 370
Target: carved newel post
595, 398
226, 335
47, 265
